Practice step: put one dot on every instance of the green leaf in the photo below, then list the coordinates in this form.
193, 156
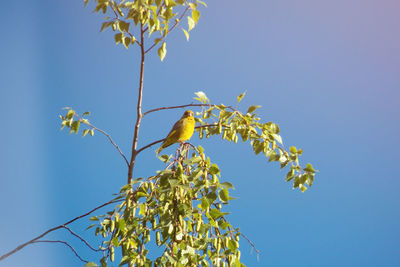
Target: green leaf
309, 168
239, 98
92, 132
277, 138
85, 132
274, 156
310, 178
211, 197
290, 175
227, 185
157, 40
195, 15
224, 195
70, 114
122, 224
186, 34
115, 242
204, 203
124, 260
162, 51
232, 245
75, 126
201, 96
302, 188
118, 38
91, 264
126, 41
191, 23
258, 147
192, 6
86, 113
90, 226
201, 2
224, 225
214, 169
252, 109
215, 214
273, 127
123, 26
293, 149
164, 158
105, 25
94, 218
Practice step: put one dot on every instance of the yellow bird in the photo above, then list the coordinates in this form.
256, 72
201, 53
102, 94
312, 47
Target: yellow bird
180, 132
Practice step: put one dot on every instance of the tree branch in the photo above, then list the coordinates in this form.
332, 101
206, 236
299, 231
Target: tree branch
174, 107
138, 108
184, 106
149, 145
117, 18
65, 243
83, 240
161, 140
169, 30
55, 228
107, 135
251, 243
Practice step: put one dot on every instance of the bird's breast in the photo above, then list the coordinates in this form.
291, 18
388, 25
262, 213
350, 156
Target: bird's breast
188, 129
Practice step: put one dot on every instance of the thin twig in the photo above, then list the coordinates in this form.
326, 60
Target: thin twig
55, 228
109, 138
184, 106
65, 243
169, 30
149, 145
251, 243
83, 240
209, 125
161, 140
130, 34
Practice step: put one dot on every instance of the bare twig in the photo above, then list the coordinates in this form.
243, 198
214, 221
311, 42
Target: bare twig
161, 140
56, 228
149, 145
174, 107
251, 243
169, 30
83, 240
107, 135
65, 243
184, 106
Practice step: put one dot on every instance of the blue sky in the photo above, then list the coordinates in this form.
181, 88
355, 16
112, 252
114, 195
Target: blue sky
328, 72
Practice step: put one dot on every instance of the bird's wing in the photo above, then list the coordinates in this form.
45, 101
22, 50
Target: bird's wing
177, 126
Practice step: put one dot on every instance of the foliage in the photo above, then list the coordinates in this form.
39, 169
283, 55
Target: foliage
230, 124
156, 17
180, 208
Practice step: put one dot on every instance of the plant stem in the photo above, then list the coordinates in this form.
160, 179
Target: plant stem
138, 108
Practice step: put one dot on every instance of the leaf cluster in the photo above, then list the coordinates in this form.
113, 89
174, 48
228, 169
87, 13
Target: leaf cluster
180, 210
264, 138
129, 19
73, 121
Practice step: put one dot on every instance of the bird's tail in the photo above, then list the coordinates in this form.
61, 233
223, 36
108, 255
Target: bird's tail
159, 149
166, 143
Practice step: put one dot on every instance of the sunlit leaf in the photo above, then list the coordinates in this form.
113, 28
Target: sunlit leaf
162, 51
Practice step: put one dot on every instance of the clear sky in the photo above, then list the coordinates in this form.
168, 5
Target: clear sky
328, 72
